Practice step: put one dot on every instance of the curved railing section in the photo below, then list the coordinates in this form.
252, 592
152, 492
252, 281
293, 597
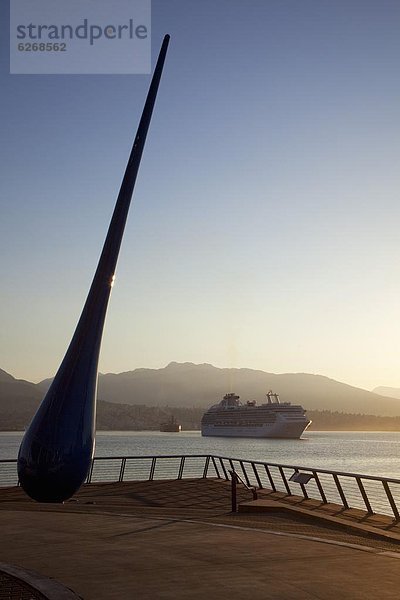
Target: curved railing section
370, 493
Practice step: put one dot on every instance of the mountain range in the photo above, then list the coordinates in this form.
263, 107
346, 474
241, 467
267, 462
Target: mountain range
187, 385
387, 391
19, 400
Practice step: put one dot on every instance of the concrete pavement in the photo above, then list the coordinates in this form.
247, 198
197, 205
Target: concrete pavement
141, 548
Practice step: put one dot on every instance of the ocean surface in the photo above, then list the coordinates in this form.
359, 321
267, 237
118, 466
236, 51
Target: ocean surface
370, 453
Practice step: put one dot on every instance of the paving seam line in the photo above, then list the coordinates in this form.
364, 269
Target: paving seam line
386, 553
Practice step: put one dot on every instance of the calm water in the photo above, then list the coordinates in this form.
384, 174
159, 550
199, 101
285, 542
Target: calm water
358, 452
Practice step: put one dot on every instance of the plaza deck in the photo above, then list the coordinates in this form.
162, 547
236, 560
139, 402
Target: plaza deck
178, 539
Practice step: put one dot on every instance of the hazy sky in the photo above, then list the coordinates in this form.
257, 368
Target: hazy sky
264, 231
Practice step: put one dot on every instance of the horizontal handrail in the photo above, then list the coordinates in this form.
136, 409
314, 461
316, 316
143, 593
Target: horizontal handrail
246, 460
311, 469
129, 457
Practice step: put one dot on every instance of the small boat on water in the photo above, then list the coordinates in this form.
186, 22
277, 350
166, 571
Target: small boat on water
172, 425
273, 419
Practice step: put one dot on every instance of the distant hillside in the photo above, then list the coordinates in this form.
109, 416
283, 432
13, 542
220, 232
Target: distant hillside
110, 416
19, 399
140, 399
387, 391
187, 384
202, 385
326, 420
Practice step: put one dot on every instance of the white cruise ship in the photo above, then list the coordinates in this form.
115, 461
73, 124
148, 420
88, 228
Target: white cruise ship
274, 419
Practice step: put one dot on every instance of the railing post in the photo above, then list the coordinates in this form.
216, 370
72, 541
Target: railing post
271, 481
89, 477
223, 468
391, 500
320, 488
256, 475
233, 491
181, 467
245, 473
205, 471
281, 471
340, 490
122, 470
152, 468
364, 496
215, 467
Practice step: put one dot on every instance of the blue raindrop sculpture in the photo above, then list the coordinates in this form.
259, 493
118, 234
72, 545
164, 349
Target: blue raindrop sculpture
57, 449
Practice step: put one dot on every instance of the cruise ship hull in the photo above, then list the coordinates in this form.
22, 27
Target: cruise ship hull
276, 430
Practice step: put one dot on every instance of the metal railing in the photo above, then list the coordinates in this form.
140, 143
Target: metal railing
351, 490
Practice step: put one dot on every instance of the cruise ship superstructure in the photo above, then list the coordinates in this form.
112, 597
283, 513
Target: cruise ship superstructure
273, 419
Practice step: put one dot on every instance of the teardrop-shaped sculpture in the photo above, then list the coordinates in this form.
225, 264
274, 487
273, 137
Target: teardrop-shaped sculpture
57, 448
